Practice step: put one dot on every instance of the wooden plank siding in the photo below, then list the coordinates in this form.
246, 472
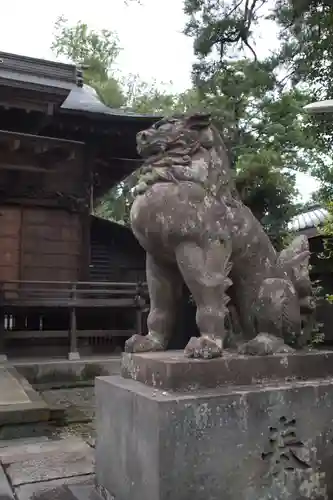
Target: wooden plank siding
39, 244
50, 245
10, 229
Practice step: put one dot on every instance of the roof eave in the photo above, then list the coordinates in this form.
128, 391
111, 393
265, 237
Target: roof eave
128, 117
319, 107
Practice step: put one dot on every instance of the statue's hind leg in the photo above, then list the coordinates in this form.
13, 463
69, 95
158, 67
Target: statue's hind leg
165, 288
205, 269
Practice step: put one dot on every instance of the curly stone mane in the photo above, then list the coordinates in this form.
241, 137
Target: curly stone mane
173, 150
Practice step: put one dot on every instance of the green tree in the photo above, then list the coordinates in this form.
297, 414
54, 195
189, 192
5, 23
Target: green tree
96, 52
303, 58
306, 54
261, 101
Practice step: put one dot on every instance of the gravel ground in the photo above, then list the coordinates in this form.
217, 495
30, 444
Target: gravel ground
79, 401
81, 397
85, 431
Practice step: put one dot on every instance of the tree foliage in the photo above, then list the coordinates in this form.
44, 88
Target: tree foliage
298, 72
96, 52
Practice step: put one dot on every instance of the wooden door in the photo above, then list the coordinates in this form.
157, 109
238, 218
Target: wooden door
10, 232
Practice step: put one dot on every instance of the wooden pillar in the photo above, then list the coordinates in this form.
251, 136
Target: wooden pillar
73, 349
87, 162
3, 356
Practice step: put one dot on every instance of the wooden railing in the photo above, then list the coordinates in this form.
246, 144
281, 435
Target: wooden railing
20, 297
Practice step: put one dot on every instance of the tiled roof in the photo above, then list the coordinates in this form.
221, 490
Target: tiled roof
32, 73
86, 99
308, 220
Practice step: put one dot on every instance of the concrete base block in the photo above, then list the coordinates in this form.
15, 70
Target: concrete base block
266, 441
73, 356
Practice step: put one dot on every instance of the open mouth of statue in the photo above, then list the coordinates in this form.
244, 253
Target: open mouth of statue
153, 148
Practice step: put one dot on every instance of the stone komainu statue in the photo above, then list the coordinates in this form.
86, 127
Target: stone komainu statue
188, 217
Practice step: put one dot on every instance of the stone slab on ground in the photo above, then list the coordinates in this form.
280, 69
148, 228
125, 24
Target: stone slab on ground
5, 489
23, 441
59, 372
10, 389
47, 460
58, 489
83, 492
81, 397
86, 431
26, 431
77, 403
258, 442
19, 402
171, 370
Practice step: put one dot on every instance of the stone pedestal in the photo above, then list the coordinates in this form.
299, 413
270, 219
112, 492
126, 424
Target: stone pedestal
235, 428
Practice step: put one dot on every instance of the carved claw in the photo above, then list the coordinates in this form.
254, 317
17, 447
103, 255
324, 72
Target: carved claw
202, 347
140, 343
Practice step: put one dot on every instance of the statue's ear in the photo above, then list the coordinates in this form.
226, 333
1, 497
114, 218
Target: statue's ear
198, 120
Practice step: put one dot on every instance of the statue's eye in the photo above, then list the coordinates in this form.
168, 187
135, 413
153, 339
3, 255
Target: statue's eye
164, 121
159, 124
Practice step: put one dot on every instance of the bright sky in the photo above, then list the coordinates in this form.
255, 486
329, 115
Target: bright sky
150, 35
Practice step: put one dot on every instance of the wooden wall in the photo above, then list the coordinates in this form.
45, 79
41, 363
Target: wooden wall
10, 229
50, 245
39, 244
44, 210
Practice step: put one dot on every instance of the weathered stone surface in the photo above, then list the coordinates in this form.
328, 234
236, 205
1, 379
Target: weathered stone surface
10, 389
195, 229
83, 492
5, 489
86, 431
19, 402
72, 405
45, 461
265, 344
23, 441
80, 397
58, 489
171, 371
203, 347
237, 443
59, 372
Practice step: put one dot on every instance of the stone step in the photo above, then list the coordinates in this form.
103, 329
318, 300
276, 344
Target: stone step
19, 402
70, 405
64, 373
66, 407
38, 430
23, 441
45, 461
78, 488
84, 492
6, 492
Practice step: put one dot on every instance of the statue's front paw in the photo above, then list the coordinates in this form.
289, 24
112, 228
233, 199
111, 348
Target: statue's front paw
265, 344
140, 343
203, 348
